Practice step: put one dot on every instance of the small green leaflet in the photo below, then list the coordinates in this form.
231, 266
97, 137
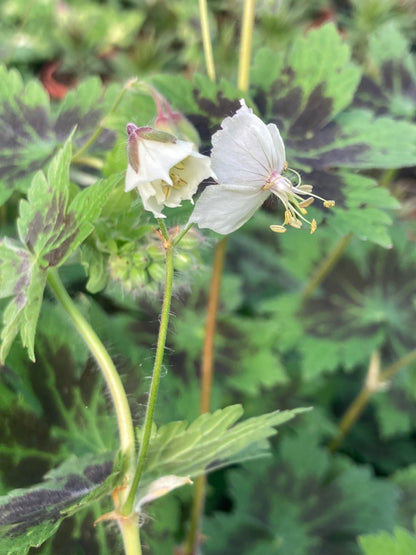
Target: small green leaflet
210, 442
50, 227
30, 516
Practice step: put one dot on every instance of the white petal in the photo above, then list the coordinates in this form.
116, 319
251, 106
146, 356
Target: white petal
279, 146
225, 208
156, 159
196, 168
246, 151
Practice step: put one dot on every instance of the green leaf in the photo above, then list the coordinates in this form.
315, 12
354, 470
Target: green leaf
51, 228
301, 502
210, 442
24, 280
31, 130
392, 87
401, 542
29, 516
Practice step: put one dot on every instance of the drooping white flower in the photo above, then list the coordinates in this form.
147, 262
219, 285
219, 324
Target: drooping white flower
248, 158
164, 170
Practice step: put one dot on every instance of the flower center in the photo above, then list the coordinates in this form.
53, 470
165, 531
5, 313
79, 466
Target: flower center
292, 198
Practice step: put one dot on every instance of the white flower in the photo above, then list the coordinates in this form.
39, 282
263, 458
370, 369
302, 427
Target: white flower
248, 158
163, 169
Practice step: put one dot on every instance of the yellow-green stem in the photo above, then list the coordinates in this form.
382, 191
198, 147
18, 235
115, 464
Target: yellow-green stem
129, 527
206, 39
245, 45
326, 265
154, 386
111, 376
356, 408
100, 127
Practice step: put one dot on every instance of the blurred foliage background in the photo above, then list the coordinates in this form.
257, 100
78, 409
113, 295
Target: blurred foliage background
281, 343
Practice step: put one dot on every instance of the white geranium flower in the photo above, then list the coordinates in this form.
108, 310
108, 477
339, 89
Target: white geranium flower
248, 158
164, 170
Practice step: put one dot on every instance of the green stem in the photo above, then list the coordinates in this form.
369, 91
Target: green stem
326, 265
100, 128
111, 376
129, 527
245, 45
161, 341
206, 39
358, 405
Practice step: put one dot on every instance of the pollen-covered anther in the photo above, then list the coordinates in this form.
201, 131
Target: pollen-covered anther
329, 203
307, 202
313, 226
278, 228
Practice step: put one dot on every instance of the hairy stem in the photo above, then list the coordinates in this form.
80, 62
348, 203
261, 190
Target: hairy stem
154, 386
375, 381
100, 128
326, 265
206, 39
129, 528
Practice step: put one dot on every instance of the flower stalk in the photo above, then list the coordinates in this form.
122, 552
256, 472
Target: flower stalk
128, 506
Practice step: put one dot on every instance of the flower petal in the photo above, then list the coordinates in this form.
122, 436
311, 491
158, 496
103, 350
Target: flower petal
156, 159
225, 208
246, 150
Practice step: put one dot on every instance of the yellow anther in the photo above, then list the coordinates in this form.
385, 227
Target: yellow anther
295, 223
167, 191
286, 165
307, 202
329, 203
303, 211
313, 226
180, 166
288, 217
305, 188
278, 228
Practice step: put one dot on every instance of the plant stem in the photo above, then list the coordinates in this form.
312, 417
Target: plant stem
206, 39
160, 349
100, 127
207, 362
326, 265
207, 371
129, 527
111, 376
245, 45
375, 382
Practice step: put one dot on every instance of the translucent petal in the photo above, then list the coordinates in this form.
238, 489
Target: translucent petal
155, 161
246, 150
225, 208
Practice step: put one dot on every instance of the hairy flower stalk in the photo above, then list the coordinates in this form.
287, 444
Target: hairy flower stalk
249, 158
163, 169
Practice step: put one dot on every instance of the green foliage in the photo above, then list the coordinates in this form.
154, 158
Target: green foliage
50, 228
210, 442
318, 507
30, 516
401, 542
343, 96
32, 130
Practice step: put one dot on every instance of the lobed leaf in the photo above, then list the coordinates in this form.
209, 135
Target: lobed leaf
30, 516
